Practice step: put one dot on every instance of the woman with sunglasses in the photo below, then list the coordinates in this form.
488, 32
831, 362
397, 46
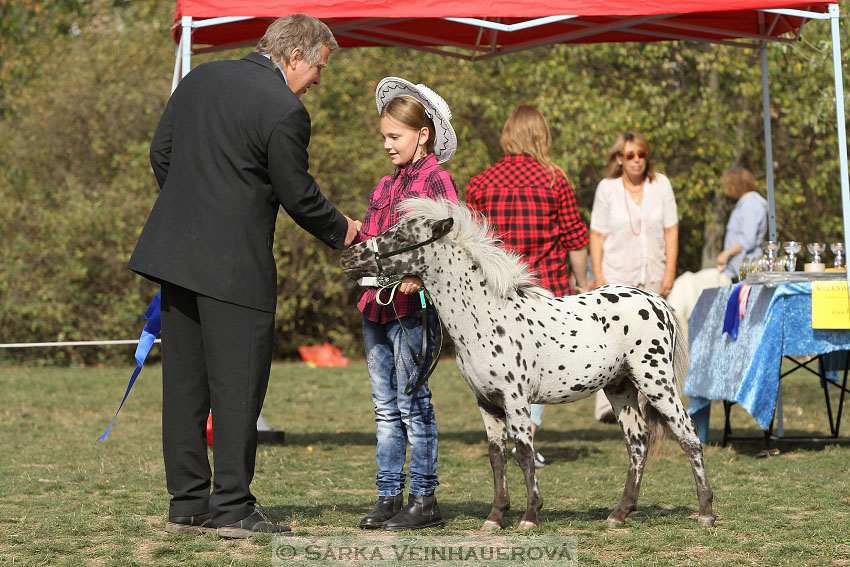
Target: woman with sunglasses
634, 227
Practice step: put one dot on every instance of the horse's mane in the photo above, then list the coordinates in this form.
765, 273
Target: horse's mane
504, 270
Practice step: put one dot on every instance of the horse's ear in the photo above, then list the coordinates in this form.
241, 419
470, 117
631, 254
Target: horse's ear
442, 227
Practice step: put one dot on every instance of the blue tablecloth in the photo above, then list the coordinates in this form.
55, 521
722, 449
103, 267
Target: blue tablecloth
778, 322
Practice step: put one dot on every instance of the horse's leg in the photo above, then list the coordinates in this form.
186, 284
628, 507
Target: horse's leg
624, 401
662, 389
521, 429
494, 422
670, 407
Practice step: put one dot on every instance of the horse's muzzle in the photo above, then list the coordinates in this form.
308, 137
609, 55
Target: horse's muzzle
358, 261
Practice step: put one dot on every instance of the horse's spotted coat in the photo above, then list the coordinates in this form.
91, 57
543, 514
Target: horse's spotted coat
516, 345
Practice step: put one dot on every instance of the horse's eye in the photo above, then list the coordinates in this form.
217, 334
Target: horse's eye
398, 237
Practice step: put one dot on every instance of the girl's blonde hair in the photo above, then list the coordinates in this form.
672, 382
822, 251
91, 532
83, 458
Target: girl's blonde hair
615, 169
737, 181
411, 113
526, 132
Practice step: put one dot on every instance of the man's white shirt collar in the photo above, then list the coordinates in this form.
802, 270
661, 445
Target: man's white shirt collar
277, 66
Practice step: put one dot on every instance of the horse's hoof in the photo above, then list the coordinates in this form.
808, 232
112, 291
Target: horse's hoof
491, 526
615, 523
705, 521
526, 525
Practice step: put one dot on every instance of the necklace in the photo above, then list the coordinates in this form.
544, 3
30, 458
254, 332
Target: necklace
634, 188
629, 208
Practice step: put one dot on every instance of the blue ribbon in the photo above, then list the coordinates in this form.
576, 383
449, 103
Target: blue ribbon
149, 335
731, 320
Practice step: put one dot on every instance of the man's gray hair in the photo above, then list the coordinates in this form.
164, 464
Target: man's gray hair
299, 31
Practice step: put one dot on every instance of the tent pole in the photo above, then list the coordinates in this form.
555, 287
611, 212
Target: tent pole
839, 116
186, 41
175, 77
768, 145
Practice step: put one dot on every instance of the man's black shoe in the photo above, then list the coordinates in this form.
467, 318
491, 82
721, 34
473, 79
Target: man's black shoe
189, 524
420, 512
255, 523
385, 508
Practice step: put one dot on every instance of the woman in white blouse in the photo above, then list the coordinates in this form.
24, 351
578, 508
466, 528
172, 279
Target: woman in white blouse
634, 228
634, 225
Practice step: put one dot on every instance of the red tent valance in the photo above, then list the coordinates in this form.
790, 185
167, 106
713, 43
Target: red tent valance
423, 24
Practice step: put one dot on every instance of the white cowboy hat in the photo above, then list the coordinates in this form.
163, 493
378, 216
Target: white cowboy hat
445, 140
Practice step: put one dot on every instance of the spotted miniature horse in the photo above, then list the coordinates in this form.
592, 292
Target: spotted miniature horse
516, 344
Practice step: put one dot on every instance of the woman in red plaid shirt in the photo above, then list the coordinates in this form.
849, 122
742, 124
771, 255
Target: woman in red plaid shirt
531, 206
417, 137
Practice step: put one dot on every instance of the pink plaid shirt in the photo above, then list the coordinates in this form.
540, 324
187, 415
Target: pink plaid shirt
423, 178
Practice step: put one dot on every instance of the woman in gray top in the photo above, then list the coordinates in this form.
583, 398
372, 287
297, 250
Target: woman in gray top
747, 224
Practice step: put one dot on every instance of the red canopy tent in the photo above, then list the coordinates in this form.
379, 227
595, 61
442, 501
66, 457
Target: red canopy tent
479, 29
476, 29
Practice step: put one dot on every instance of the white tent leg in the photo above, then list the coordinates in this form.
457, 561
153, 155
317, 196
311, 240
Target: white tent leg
265, 434
839, 116
768, 146
186, 43
178, 57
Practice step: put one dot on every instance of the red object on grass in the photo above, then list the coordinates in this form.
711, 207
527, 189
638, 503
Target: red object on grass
209, 430
323, 355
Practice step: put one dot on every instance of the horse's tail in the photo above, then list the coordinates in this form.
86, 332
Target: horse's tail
681, 356
655, 422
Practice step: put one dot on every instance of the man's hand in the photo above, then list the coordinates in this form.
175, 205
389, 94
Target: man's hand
353, 229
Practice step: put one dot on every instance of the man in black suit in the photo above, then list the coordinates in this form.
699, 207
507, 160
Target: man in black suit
229, 150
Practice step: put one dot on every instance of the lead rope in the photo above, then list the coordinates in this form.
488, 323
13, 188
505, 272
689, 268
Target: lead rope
416, 378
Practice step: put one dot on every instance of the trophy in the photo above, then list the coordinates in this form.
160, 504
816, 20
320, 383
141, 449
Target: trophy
771, 247
743, 270
791, 248
838, 249
815, 248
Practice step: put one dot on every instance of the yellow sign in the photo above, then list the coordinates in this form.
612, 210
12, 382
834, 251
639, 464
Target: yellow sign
830, 307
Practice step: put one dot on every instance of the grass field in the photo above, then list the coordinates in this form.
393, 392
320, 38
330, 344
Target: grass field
68, 500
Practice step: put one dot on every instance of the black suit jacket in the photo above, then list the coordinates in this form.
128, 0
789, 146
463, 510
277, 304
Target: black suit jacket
229, 150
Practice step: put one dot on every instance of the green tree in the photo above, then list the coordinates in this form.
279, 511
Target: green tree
82, 85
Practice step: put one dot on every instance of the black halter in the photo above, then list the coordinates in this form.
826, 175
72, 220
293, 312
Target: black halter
379, 256
418, 377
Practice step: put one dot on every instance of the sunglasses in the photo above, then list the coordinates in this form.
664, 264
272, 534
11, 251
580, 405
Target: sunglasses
631, 155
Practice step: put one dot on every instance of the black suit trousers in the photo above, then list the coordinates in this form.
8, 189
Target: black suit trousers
215, 356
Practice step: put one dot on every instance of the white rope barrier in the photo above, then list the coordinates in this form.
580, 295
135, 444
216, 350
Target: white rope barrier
73, 343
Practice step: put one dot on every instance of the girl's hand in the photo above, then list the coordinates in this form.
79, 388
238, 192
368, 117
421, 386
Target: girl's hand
410, 284
598, 281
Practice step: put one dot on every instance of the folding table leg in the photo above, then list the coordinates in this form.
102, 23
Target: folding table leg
727, 427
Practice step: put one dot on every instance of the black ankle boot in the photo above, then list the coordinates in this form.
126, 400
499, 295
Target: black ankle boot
385, 508
420, 512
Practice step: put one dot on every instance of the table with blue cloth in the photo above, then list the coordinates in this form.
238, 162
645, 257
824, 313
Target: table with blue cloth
777, 323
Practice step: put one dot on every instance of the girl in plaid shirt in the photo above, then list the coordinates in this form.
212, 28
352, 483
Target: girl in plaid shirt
418, 136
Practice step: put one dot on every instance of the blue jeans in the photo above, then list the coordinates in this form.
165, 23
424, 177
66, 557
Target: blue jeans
400, 418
